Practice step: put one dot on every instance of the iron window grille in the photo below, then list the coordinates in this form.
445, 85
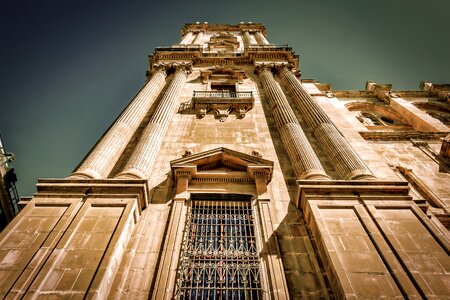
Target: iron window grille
219, 258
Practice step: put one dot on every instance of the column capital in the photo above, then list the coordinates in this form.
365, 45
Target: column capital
264, 67
288, 67
159, 67
185, 67
167, 66
284, 67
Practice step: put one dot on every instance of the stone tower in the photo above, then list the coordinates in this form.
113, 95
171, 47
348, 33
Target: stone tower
228, 176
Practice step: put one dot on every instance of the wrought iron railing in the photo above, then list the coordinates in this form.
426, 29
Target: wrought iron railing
222, 94
179, 48
221, 54
220, 258
268, 48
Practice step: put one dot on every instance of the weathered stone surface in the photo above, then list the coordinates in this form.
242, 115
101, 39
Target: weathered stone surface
117, 228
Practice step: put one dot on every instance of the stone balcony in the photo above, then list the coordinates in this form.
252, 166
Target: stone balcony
222, 103
268, 48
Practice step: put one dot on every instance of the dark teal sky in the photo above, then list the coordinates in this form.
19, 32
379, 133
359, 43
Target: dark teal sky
69, 67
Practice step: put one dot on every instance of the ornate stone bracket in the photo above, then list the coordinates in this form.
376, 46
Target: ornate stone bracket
222, 110
223, 103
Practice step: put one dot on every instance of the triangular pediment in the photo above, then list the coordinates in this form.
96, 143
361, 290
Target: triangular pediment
222, 160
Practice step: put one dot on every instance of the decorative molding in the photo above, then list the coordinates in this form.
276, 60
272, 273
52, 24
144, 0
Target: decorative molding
222, 103
241, 166
399, 135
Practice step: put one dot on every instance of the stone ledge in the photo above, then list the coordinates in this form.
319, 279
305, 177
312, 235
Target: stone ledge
104, 187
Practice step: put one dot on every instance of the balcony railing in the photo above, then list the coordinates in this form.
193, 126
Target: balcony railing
180, 48
268, 48
222, 102
222, 94
221, 54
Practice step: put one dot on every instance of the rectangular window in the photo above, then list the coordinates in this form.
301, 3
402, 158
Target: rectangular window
219, 259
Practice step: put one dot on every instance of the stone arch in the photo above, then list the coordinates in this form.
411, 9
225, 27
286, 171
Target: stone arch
374, 114
440, 111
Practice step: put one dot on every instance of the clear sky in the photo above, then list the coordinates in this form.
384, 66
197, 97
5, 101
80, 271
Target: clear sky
68, 68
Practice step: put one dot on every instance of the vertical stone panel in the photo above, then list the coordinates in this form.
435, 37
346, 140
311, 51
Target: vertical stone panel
165, 281
26, 235
425, 257
271, 254
303, 273
87, 255
138, 267
352, 261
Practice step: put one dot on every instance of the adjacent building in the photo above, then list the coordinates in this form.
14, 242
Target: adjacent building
9, 198
230, 176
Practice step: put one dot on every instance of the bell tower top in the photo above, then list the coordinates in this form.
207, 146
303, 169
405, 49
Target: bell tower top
203, 44
205, 26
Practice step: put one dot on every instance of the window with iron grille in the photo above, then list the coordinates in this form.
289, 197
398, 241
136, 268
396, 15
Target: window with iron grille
219, 259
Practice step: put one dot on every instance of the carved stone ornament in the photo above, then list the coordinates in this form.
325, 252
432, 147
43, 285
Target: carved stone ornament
273, 67
171, 66
223, 103
223, 42
222, 111
239, 165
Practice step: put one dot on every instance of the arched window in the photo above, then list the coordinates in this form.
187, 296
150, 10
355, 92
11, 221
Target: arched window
369, 119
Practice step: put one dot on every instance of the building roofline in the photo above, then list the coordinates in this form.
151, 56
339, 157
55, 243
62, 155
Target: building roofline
223, 27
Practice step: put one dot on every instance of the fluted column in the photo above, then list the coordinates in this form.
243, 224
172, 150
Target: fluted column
261, 38
304, 160
187, 38
101, 160
141, 160
199, 38
344, 158
248, 38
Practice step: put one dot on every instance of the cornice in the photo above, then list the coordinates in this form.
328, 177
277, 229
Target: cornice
223, 27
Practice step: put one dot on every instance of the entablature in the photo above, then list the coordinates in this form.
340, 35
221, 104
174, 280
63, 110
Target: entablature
223, 27
200, 56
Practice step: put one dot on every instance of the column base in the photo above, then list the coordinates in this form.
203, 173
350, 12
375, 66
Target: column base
360, 175
85, 174
314, 175
131, 174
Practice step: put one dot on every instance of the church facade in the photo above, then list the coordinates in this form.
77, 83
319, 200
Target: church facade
229, 176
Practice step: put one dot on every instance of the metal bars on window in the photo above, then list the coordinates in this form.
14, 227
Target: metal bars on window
219, 259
